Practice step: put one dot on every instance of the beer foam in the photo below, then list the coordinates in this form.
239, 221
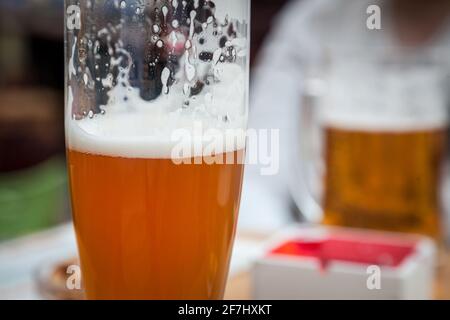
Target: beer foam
386, 99
133, 128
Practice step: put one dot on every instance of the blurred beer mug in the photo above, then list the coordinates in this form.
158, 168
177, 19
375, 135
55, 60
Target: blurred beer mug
373, 151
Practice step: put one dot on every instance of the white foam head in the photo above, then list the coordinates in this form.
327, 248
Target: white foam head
388, 99
134, 128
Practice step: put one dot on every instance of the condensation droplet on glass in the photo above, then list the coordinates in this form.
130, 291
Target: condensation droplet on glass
156, 28
159, 43
189, 69
123, 4
175, 23
165, 11
174, 38
186, 89
165, 75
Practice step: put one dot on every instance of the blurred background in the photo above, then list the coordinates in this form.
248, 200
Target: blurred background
383, 169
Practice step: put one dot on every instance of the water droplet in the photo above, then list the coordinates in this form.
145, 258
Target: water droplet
165, 75
174, 38
189, 69
186, 89
123, 4
165, 11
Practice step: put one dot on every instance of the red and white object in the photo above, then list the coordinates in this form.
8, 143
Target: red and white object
342, 263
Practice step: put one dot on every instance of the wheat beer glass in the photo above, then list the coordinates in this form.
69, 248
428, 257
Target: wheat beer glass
374, 142
156, 112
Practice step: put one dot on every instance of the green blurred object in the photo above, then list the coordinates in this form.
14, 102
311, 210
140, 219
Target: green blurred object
33, 199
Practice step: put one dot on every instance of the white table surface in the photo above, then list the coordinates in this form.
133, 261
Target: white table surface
20, 259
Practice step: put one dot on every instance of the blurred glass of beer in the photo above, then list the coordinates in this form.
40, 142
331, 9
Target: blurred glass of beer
155, 219
385, 144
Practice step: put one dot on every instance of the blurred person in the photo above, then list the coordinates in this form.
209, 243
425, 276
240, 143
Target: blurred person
306, 32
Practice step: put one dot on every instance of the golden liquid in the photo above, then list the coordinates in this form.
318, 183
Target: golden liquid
150, 229
384, 180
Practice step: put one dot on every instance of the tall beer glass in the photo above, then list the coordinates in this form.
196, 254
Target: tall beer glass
156, 108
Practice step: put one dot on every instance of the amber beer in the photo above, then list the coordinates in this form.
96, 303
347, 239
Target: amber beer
153, 229
384, 179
